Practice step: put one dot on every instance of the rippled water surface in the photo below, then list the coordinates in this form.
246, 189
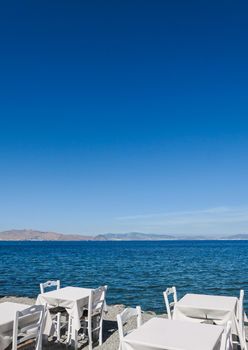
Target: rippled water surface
136, 272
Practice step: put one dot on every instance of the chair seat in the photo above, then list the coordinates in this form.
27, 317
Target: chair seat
85, 314
57, 309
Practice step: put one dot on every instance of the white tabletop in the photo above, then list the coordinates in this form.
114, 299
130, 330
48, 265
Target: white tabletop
160, 333
68, 294
8, 312
202, 306
73, 299
7, 315
203, 301
217, 308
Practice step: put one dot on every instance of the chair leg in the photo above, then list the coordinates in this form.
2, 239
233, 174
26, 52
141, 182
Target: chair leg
76, 340
58, 326
90, 334
39, 341
69, 330
84, 330
240, 336
100, 333
40, 344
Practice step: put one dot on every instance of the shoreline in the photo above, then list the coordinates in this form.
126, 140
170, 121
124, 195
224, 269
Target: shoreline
192, 239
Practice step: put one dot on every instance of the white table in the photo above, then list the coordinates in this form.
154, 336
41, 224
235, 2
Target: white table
73, 299
164, 334
7, 315
219, 309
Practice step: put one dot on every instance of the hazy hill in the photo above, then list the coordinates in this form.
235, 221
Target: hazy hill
139, 236
243, 237
33, 235
195, 238
133, 236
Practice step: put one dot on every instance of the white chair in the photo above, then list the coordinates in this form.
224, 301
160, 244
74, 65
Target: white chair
123, 318
241, 325
28, 327
49, 284
92, 317
226, 340
170, 305
54, 311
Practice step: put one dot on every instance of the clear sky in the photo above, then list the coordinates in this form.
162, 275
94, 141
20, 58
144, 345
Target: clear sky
120, 116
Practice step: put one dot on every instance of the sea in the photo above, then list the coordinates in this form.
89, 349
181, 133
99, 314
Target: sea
136, 272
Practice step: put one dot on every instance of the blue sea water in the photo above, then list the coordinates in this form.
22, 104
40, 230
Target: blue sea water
136, 272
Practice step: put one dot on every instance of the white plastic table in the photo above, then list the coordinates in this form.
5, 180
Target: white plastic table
73, 299
7, 315
219, 309
164, 334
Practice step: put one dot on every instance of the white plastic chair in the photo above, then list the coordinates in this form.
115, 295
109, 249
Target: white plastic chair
226, 340
92, 317
123, 318
28, 327
241, 324
54, 311
49, 284
170, 305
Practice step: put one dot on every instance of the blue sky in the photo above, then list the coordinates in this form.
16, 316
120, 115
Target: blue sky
124, 116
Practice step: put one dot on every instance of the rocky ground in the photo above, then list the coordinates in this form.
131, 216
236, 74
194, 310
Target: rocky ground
110, 329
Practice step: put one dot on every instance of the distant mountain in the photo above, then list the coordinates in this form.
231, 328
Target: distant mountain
195, 238
239, 237
32, 235
134, 236
35, 235
139, 236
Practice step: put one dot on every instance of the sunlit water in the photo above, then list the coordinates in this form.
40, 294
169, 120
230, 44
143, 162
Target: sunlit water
136, 272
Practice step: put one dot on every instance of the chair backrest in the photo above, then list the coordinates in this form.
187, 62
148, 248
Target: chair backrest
170, 305
226, 340
49, 284
97, 300
123, 318
241, 324
28, 324
241, 307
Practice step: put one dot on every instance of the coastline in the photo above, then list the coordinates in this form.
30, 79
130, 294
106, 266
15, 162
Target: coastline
30, 235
